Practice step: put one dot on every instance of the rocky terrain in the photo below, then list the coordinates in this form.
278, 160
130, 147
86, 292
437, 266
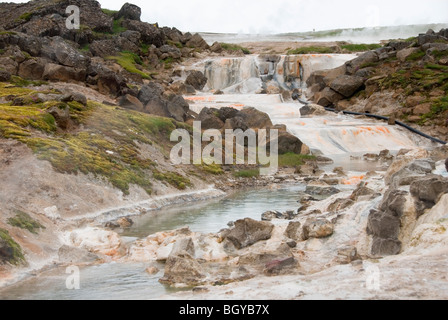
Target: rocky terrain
85, 122
405, 80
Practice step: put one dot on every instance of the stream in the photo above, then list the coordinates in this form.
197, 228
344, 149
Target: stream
342, 138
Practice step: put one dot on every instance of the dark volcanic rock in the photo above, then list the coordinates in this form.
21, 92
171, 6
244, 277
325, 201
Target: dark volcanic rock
129, 11
347, 85
427, 191
196, 79
248, 232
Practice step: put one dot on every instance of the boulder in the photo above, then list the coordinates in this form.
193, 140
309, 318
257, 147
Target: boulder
32, 69
63, 53
312, 109
402, 55
150, 92
255, 119
150, 34
172, 52
317, 228
414, 170
356, 64
347, 254
183, 269
227, 113
247, 232
321, 189
362, 191
209, 119
235, 124
178, 108
130, 12
347, 85
196, 41
4, 75
427, 191
9, 65
287, 143
196, 79
294, 231
131, 102
57, 72
76, 97
327, 97
385, 224
422, 109
216, 47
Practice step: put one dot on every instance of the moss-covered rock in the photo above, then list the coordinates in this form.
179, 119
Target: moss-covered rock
22, 220
10, 251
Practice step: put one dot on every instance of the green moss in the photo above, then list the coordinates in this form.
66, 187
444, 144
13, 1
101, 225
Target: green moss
175, 44
438, 54
416, 56
19, 82
25, 17
23, 221
174, 179
7, 89
128, 60
234, 47
249, 173
360, 47
117, 28
369, 64
214, 169
15, 255
437, 108
436, 67
293, 160
110, 13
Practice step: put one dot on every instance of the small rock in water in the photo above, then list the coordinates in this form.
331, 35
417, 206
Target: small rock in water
152, 270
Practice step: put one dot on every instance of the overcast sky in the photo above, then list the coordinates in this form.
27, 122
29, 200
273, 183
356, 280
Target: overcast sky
281, 16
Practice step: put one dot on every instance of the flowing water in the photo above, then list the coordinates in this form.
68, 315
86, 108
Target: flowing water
339, 137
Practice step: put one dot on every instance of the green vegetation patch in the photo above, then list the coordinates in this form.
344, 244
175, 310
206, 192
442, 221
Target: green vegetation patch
249, 173
438, 107
174, 179
25, 17
360, 47
110, 13
293, 160
416, 56
214, 169
14, 254
234, 47
23, 221
310, 50
128, 61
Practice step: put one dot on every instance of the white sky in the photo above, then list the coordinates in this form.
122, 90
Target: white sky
281, 16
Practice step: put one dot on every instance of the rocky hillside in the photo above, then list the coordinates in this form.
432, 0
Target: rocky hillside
406, 80
85, 119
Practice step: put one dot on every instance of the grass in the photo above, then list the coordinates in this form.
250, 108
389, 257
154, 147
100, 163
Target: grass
416, 56
25, 17
117, 28
19, 82
23, 221
310, 50
360, 47
172, 178
110, 13
249, 173
438, 54
128, 61
234, 47
293, 159
108, 146
437, 108
214, 169
16, 253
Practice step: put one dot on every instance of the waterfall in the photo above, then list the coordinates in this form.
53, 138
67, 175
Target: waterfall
266, 73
